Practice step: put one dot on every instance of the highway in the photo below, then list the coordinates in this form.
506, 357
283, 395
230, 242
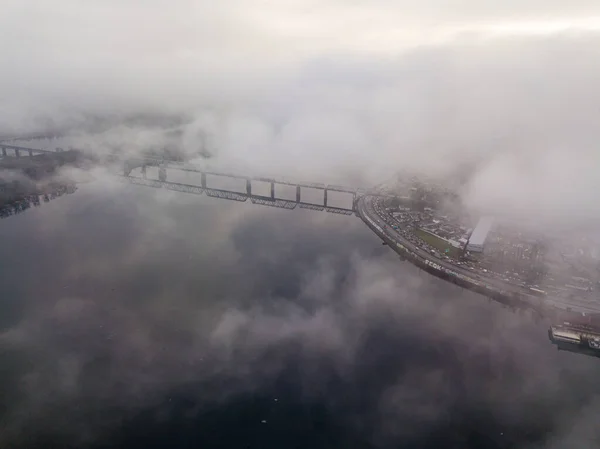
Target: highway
368, 213
474, 279
366, 207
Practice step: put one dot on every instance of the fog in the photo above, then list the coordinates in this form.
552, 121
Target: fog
121, 301
124, 307
329, 90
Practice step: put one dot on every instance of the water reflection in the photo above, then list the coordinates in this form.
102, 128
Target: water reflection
17, 201
152, 318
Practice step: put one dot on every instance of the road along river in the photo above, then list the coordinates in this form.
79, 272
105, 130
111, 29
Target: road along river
512, 295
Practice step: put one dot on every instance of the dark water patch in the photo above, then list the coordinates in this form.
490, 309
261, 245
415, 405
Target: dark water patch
147, 319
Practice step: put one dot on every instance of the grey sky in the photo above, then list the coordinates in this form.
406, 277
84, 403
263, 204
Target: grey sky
332, 89
162, 52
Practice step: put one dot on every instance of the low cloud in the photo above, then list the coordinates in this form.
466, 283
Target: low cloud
141, 295
393, 354
518, 110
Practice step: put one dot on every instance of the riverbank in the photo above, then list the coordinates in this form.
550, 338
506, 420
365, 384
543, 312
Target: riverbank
513, 300
27, 182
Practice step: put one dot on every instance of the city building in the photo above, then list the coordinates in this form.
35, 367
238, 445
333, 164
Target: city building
478, 237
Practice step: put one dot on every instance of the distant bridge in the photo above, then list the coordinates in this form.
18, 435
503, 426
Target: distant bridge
31, 136
18, 151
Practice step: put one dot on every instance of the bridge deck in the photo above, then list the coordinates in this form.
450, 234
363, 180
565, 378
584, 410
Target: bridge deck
25, 149
234, 196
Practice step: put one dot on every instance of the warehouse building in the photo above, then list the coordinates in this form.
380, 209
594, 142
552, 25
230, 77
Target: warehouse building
477, 240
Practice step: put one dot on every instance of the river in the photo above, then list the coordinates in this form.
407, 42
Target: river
134, 317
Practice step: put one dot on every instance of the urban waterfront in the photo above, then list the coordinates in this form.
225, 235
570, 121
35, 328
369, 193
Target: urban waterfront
153, 318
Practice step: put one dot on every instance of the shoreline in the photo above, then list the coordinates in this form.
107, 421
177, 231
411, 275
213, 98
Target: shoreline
540, 307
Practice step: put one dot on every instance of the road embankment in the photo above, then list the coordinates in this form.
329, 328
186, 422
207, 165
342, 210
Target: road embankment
513, 300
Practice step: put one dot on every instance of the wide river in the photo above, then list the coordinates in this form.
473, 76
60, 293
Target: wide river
138, 318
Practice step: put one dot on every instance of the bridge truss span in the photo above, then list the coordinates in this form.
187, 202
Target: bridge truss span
226, 195
309, 206
140, 181
282, 204
233, 196
185, 188
339, 210
18, 151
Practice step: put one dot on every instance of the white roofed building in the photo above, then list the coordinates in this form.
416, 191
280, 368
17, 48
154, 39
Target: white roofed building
480, 233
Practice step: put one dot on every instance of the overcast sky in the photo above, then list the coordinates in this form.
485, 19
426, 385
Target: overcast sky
332, 88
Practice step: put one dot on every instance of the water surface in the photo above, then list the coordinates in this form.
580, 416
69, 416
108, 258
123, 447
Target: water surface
133, 317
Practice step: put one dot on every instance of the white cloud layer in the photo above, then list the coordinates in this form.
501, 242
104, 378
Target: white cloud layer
331, 90
336, 91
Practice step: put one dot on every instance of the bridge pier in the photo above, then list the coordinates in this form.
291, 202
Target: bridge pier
162, 174
3, 151
269, 199
30, 153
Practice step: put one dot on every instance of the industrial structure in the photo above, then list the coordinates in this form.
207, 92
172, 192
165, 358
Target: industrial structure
479, 235
576, 332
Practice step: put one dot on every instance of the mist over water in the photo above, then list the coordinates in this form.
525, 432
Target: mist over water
137, 317
133, 318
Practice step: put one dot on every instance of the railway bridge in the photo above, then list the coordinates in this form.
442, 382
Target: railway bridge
8, 150
166, 166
